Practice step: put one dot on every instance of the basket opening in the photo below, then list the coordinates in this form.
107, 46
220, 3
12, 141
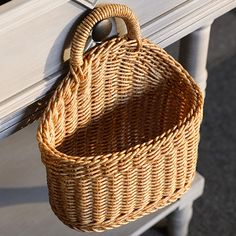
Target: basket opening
125, 100
140, 119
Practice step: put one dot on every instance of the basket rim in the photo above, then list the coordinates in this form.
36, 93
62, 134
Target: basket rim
195, 112
44, 145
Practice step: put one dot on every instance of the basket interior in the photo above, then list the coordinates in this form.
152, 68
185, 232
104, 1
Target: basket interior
125, 99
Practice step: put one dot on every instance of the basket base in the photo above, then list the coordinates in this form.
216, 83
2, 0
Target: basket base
188, 194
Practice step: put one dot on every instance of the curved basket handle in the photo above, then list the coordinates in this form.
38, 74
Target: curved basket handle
100, 13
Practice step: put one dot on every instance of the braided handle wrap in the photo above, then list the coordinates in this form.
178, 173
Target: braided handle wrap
100, 13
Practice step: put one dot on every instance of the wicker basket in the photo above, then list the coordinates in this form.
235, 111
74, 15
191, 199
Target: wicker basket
119, 138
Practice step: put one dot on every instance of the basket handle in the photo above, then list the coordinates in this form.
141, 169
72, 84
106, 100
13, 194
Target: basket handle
100, 13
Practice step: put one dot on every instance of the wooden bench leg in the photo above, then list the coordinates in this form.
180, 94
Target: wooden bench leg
193, 54
178, 221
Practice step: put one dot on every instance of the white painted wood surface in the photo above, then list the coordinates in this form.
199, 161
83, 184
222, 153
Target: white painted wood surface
24, 207
193, 54
33, 35
33, 51
37, 52
178, 221
148, 10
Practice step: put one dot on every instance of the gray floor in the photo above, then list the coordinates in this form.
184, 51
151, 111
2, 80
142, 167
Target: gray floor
215, 212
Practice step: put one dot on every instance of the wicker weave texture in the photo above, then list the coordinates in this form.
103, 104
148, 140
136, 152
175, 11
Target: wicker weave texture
119, 138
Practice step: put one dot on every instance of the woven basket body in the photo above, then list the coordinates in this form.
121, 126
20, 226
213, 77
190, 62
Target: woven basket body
119, 138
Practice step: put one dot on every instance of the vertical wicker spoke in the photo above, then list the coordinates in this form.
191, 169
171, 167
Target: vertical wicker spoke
158, 177
84, 202
143, 186
114, 205
129, 191
191, 152
100, 193
170, 168
68, 199
55, 197
181, 157
59, 127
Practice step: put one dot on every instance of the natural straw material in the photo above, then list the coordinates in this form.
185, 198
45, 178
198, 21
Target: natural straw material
119, 138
